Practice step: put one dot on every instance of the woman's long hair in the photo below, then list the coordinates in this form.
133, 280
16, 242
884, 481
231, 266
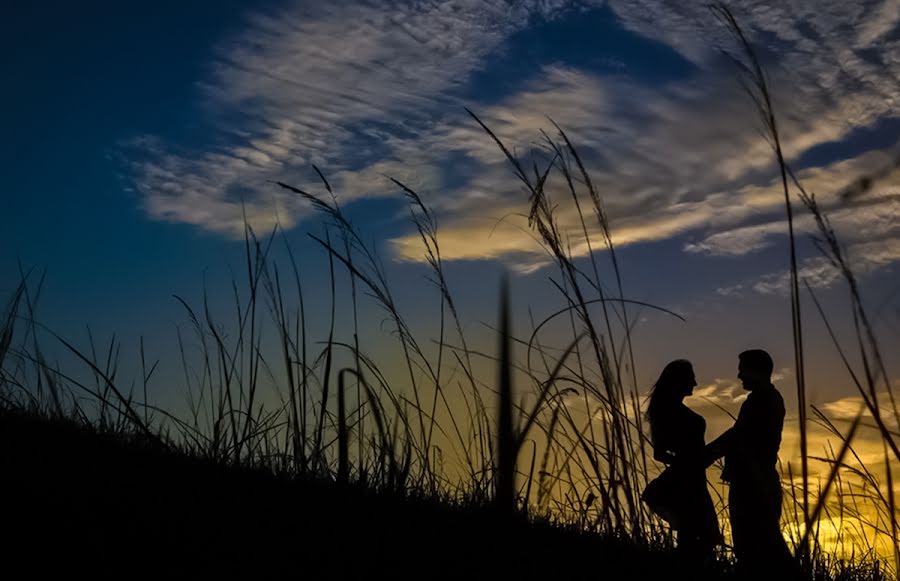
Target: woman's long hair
665, 391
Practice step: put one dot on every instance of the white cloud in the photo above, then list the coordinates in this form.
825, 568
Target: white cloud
736, 290
874, 217
367, 89
818, 271
847, 408
726, 393
737, 242
694, 160
326, 84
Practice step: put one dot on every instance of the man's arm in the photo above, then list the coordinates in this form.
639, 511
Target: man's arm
720, 446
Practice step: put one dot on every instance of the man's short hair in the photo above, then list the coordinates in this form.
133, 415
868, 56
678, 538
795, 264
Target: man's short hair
759, 360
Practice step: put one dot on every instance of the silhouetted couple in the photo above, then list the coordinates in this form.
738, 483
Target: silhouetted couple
750, 449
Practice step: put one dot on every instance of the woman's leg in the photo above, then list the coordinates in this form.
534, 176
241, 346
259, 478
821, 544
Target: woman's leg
695, 547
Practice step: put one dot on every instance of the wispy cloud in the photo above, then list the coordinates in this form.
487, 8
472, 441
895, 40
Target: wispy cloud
687, 157
327, 84
869, 230
873, 217
847, 408
365, 90
721, 392
819, 273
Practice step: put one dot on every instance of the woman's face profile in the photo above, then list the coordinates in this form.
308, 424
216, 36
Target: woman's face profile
690, 382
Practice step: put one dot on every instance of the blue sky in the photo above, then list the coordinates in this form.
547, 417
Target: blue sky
132, 134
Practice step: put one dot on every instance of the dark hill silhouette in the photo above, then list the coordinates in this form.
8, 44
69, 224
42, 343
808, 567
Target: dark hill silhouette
80, 501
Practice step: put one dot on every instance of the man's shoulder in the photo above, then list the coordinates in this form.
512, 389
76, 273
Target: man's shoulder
774, 395
770, 393
768, 398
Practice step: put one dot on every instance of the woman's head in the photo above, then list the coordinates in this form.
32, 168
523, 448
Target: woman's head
676, 381
674, 384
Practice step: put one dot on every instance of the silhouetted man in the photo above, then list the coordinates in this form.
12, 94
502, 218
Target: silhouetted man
750, 449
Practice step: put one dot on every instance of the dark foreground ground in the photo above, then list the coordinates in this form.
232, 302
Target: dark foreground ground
78, 503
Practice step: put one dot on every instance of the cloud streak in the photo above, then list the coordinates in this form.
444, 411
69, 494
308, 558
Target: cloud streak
672, 159
324, 84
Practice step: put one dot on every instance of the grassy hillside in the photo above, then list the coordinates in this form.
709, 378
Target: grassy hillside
76, 499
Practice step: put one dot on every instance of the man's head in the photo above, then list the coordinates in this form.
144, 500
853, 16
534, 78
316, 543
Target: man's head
755, 369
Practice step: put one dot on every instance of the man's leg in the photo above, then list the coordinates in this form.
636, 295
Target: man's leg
780, 556
741, 516
759, 546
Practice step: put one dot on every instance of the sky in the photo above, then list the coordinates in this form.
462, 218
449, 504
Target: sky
136, 137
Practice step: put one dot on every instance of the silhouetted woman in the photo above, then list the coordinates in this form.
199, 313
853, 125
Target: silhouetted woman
678, 434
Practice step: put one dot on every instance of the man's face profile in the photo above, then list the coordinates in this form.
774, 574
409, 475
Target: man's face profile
749, 376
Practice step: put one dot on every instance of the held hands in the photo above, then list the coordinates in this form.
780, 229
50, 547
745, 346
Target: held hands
663, 456
718, 447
